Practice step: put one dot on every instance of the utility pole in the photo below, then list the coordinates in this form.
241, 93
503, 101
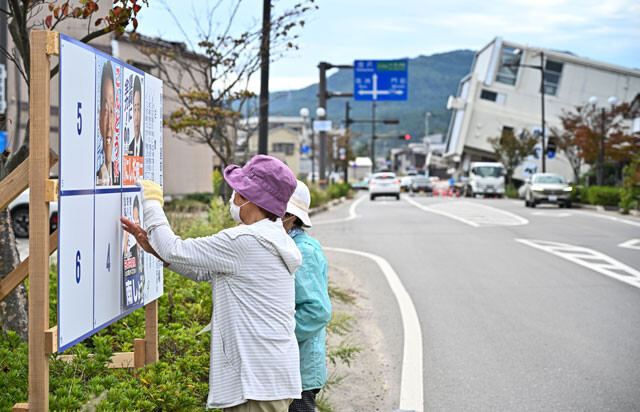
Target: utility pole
347, 124
263, 128
322, 102
544, 151
373, 137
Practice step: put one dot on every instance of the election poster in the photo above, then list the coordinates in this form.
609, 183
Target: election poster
132, 253
133, 159
110, 137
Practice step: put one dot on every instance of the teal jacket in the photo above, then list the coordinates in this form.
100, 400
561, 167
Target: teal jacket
313, 311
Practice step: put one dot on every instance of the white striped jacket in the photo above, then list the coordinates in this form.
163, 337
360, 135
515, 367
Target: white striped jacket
254, 352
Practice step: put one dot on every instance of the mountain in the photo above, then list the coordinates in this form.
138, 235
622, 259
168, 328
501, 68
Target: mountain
431, 80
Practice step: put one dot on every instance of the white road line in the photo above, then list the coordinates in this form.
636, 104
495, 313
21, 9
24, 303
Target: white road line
551, 214
589, 258
352, 214
603, 216
473, 214
631, 244
411, 385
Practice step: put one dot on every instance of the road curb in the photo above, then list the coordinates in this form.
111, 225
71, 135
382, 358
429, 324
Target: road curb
327, 206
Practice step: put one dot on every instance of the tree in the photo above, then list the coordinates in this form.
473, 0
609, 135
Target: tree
580, 135
211, 86
511, 150
22, 16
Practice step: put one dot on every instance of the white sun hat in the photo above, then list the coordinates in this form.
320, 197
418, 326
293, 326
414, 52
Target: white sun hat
299, 203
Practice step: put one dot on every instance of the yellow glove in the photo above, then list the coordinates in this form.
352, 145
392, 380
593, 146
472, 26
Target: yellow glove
150, 190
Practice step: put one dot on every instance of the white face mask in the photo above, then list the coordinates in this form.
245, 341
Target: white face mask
235, 209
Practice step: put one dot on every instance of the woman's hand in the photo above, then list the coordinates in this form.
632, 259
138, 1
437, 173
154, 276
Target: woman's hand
141, 237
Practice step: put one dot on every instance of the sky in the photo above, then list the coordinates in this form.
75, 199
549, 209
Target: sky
342, 31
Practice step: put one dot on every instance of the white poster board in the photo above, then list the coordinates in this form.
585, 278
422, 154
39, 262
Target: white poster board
110, 136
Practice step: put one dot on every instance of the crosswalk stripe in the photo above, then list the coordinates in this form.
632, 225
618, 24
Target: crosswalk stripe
589, 258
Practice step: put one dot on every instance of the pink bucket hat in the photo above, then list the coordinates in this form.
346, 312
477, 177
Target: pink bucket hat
265, 181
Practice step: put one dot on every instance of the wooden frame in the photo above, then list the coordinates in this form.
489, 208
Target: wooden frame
34, 173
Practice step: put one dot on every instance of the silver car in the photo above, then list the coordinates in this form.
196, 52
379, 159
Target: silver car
547, 188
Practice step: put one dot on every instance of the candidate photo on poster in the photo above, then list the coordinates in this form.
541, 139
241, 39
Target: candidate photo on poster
108, 170
136, 147
133, 160
132, 253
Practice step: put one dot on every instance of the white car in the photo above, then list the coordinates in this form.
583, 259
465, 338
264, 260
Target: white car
384, 184
547, 188
19, 211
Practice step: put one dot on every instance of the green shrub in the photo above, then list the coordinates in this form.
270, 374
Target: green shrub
318, 196
602, 195
202, 197
337, 190
630, 188
510, 191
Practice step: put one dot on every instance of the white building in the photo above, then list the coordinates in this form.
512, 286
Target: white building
495, 96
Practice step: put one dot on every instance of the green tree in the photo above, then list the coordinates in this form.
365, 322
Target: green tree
580, 136
209, 78
511, 150
23, 16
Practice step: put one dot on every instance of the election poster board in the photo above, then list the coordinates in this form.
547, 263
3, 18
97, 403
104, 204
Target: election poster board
110, 136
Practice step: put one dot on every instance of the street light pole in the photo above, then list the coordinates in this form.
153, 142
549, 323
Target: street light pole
542, 135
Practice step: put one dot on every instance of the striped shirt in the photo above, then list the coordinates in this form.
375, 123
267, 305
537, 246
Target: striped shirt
254, 352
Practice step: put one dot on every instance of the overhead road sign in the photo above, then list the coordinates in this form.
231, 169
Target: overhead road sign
380, 80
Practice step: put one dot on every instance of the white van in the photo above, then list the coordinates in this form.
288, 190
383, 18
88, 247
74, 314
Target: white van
486, 179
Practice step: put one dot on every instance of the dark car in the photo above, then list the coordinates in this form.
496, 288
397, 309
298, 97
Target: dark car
420, 184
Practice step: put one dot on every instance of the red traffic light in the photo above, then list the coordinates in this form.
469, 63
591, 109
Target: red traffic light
407, 137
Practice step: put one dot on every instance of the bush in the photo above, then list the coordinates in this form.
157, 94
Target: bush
630, 188
601, 195
337, 190
318, 196
510, 191
202, 197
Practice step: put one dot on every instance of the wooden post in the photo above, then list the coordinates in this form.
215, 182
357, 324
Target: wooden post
43, 43
151, 332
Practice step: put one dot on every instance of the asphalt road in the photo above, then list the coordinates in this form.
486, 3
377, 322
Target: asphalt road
520, 309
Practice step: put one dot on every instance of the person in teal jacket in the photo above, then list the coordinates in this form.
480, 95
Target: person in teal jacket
313, 307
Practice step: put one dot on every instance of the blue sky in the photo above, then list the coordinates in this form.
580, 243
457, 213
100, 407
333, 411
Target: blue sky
341, 31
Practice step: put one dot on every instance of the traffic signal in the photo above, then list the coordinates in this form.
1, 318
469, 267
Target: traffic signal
405, 137
551, 147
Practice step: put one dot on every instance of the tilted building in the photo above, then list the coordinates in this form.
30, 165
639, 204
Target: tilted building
499, 93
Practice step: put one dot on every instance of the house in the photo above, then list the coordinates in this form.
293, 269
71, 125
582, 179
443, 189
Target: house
284, 144
500, 94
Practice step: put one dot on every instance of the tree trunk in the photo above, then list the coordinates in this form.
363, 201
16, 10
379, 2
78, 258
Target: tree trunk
13, 310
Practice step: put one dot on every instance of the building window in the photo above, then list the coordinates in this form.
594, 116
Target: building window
286, 148
488, 95
552, 74
508, 74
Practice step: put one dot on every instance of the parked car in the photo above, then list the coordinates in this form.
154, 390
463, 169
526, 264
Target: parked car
547, 188
361, 184
384, 184
19, 211
421, 184
405, 183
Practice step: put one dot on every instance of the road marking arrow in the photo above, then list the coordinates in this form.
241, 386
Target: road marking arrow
631, 244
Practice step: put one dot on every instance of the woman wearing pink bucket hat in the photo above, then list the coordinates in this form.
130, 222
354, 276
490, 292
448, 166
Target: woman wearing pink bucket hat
254, 352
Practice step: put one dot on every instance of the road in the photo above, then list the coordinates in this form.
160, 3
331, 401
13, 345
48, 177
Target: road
519, 309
